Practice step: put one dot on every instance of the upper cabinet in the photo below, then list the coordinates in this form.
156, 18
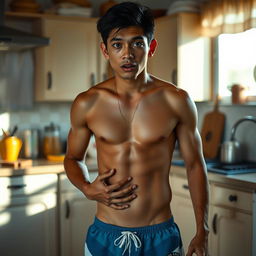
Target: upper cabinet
183, 55
69, 65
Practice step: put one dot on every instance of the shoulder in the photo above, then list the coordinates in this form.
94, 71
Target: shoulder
177, 98
87, 99
172, 93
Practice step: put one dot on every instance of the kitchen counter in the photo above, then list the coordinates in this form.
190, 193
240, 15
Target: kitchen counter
245, 181
41, 166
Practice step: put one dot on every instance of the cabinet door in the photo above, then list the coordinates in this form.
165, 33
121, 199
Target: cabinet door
164, 62
231, 232
69, 65
77, 214
182, 209
193, 57
183, 213
28, 226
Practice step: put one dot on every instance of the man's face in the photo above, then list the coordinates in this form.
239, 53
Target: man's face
127, 51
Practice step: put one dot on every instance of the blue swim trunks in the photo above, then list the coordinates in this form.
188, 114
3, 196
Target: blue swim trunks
162, 239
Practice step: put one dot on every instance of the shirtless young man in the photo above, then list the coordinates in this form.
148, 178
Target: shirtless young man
136, 120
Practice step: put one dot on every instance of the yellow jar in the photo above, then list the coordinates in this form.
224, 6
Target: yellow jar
10, 148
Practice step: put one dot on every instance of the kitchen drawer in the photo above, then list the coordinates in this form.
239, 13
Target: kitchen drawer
230, 197
179, 185
26, 185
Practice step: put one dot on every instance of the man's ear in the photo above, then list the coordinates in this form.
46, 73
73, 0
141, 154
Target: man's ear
152, 47
104, 50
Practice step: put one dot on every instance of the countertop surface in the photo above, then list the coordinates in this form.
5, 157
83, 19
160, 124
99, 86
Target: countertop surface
245, 181
41, 166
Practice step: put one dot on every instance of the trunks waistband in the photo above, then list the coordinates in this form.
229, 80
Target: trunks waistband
142, 230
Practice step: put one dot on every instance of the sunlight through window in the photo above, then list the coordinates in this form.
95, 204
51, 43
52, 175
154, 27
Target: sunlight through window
236, 62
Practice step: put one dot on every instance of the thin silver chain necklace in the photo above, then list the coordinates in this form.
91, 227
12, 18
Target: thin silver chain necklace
119, 106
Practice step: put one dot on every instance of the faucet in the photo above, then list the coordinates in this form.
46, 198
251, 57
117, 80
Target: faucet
246, 118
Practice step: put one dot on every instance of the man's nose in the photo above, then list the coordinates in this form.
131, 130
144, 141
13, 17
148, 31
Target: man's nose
128, 52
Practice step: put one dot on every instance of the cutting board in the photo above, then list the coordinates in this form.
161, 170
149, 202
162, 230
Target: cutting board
20, 163
212, 131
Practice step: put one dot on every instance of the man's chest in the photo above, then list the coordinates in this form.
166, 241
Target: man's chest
149, 121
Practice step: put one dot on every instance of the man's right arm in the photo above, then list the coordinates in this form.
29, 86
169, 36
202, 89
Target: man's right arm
117, 195
77, 143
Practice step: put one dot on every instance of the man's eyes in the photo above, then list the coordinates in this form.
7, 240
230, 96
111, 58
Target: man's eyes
137, 44
116, 45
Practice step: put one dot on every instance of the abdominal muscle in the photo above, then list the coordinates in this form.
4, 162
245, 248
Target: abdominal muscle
152, 204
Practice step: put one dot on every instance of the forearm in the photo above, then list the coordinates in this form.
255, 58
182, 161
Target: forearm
77, 173
199, 191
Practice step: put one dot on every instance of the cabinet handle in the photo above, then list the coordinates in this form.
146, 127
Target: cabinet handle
104, 76
49, 80
185, 186
214, 223
232, 198
92, 78
15, 187
67, 209
174, 76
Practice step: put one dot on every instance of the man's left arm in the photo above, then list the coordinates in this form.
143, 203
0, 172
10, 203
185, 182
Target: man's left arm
191, 149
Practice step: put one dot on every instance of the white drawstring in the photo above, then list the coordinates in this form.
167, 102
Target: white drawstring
126, 238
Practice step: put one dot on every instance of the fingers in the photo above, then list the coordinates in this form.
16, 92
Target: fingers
118, 195
119, 207
124, 199
123, 192
118, 185
106, 174
121, 197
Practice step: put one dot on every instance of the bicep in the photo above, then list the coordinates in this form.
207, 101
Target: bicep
79, 134
77, 143
188, 135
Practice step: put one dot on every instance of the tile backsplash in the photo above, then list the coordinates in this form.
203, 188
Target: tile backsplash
245, 132
59, 113
40, 116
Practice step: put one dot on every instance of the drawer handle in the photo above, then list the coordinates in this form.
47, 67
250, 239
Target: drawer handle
15, 187
232, 198
185, 186
92, 78
67, 210
49, 80
214, 223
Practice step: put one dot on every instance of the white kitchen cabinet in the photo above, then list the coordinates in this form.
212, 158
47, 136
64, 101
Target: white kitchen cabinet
28, 219
69, 65
182, 209
231, 222
163, 64
76, 215
183, 55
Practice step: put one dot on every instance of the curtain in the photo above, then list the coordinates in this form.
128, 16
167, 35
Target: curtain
227, 16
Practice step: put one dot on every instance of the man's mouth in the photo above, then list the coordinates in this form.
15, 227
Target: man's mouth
128, 67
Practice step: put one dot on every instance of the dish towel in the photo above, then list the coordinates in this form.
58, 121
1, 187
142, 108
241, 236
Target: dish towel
16, 80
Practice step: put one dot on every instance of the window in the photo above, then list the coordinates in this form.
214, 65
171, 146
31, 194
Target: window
236, 63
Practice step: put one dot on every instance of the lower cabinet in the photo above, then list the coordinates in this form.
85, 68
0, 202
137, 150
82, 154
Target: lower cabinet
231, 222
28, 216
182, 209
230, 217
76, 215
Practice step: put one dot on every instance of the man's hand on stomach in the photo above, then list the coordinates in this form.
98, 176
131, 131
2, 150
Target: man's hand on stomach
116, 196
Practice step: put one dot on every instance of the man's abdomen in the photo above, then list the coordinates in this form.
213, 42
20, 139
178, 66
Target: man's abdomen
149, 167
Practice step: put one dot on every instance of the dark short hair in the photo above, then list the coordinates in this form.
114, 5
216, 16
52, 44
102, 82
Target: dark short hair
125, 15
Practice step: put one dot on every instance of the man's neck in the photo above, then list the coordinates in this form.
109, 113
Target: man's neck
132, 87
